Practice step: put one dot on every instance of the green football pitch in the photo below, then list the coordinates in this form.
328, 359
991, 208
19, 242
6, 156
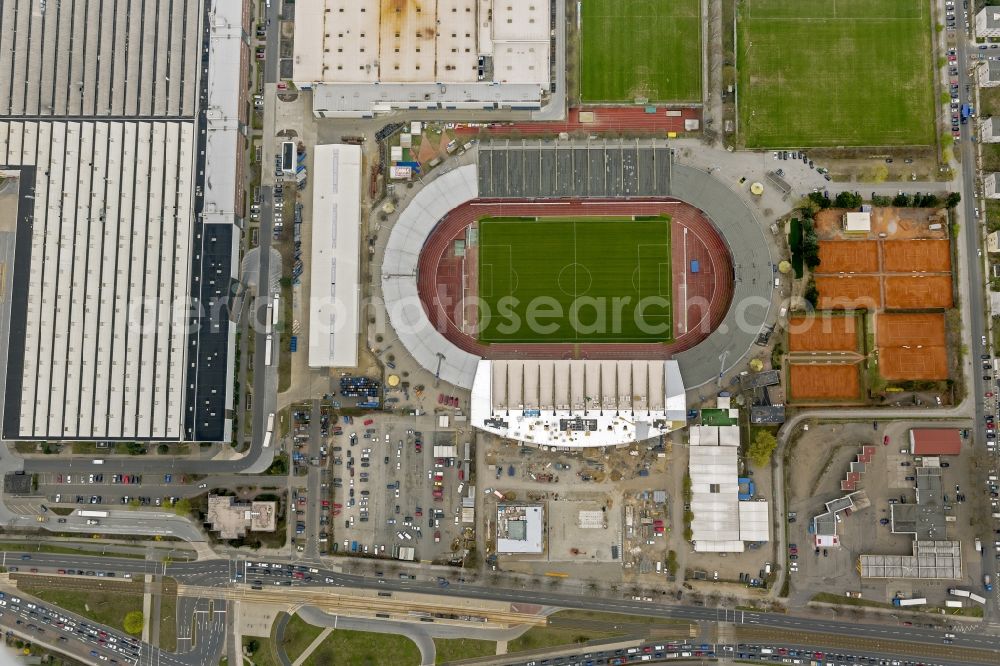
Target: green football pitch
641, 49
834, 73
575, 280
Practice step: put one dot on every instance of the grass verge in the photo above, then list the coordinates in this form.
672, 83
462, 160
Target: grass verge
457, 649
101, 600
348, 648
299, 635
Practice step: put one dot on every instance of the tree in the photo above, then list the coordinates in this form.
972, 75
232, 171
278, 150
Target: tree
134, 621
252, 646
848, 200
954, 198
182, 507
810, 245
820, 199
901, 200
761, 448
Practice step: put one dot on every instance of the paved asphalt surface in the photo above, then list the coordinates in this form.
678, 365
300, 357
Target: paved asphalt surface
219, 573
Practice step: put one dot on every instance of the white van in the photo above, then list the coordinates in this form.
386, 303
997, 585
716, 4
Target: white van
98, 462
783, 311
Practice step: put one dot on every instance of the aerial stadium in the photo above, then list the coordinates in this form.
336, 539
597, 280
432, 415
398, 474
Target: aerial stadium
578, 289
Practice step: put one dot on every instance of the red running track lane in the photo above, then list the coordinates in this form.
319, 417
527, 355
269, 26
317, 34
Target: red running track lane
606, 119
706, 295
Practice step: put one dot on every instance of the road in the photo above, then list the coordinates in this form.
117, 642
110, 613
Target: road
225, 572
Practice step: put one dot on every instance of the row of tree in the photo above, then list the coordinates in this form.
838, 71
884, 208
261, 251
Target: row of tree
821, 201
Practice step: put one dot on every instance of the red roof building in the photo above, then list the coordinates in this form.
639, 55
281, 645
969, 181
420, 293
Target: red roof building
935, 442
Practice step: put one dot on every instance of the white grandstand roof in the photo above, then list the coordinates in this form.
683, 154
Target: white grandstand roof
399, 275
576, 404
336, 241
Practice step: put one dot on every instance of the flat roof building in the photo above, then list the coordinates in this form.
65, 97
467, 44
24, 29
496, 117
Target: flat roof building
855, 222
520, 529
233, 519
935, 442
369, 58
336, 241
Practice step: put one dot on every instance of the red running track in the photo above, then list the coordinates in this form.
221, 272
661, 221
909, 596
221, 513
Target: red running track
629, 119
443, 279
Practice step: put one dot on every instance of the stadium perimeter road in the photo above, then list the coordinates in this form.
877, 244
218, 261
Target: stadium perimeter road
753, 278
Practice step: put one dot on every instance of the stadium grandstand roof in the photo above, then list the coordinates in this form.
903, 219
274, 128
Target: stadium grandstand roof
575, 404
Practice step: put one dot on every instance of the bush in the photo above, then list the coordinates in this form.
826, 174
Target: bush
811, 293
133, 623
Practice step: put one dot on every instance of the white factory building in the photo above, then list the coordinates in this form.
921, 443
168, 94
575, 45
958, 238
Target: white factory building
721, 522
336, 242
364, 58
577, 404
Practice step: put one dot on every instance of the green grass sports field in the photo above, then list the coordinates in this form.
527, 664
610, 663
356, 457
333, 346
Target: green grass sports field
834, 73
641, 49
575, 280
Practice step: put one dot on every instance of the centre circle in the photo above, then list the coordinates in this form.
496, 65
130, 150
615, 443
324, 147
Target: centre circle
575, 279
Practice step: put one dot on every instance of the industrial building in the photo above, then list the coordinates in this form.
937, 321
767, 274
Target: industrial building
576, 404
722, 523
122, 260
361, 59
930, 560
334, 300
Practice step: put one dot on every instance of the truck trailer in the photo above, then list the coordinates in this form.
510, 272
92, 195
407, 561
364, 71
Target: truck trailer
919, 601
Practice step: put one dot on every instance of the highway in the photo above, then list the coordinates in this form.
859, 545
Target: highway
221, 573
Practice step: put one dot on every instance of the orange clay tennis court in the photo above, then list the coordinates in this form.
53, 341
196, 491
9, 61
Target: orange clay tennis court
909, 292
928, 363
847, 257
848, 293
815, 382
822, 334
917, 256
906, 329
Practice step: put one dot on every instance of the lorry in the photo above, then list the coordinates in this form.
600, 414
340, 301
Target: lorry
987, 583
918, 601
92, 514
979, 545
956, 592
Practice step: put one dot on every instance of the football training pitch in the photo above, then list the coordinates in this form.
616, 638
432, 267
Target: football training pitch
641, 49
561, 280
834, 73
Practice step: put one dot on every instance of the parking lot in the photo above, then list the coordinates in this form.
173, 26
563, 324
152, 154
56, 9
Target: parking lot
384, 479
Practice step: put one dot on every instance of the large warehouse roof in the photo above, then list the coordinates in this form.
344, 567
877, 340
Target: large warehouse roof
105, 338
578, 403
126, 241
448, 52
336, 242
